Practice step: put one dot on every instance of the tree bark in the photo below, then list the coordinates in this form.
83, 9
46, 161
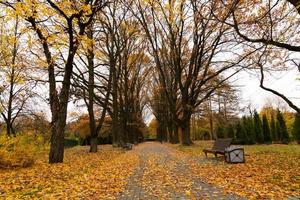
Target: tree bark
56, 154
176, 135
185, 126
91, 85
115, 116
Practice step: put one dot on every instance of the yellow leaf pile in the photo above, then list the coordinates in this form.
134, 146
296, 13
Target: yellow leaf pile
17, 151
101, 175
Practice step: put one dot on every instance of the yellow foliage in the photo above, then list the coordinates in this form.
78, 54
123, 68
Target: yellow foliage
17, 151
83, 175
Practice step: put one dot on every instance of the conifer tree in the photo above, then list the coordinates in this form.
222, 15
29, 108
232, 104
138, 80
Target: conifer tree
247, 124
273, 129
259, 137
282, 130
240, 136
230, 131
266, 129
296, 128
220, 131
251, 131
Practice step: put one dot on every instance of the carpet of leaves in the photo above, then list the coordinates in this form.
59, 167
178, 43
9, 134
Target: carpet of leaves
83, 175
165, 173
270, 171
162, 179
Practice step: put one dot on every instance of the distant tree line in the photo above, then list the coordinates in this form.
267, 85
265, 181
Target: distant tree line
256, 129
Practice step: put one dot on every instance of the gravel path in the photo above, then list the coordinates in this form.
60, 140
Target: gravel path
163, 175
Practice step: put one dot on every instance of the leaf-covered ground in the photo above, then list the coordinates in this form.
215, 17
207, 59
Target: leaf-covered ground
270, 171
156, 171
82, 176
164, 173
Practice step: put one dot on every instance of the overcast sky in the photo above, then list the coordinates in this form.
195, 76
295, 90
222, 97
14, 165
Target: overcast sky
285, 82
248, 84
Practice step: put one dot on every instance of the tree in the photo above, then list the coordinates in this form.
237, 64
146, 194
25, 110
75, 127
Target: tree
91, 84
230, 131
259, 136
240, 137
221, 131
248, 125
296, 128
264, 29
281, 128
185, 52
273, 129
16, 85
266, 129
67, 22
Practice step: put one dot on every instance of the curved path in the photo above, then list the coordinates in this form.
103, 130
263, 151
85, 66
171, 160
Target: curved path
164, 175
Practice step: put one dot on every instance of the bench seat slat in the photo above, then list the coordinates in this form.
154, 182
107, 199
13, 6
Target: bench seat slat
219, 146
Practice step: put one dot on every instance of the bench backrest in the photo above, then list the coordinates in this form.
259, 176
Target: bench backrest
221, 144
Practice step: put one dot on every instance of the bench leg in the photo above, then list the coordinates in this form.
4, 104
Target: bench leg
216, 155
205, 154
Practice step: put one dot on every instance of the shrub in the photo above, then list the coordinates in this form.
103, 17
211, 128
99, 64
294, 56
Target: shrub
70, 142
17, 151
202, 134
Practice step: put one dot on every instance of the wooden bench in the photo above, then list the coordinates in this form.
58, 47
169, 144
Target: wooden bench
128, 146
218, 147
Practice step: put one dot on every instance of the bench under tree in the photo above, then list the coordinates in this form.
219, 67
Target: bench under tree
219, 147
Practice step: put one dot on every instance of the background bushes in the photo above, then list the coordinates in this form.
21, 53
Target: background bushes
19, 151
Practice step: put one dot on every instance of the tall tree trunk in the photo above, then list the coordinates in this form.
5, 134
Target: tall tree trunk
170, 131
211, 123
56, 154
185, 137
92, 121
59, 109
9, 123
115, 115
8, 128
185, 127
176, 135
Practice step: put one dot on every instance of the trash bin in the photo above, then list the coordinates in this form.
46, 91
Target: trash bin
234, 154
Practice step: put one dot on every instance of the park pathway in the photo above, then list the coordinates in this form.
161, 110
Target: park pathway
164, 175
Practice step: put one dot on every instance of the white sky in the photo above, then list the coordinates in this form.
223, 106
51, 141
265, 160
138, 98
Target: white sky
284, 82
250, 92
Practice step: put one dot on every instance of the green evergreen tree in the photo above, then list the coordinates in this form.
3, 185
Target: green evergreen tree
259, 137
278, 131
251, 131
230, 131
247, 123
296, 128
220, 131
282, 130
240, 134
274, 134
266, 129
